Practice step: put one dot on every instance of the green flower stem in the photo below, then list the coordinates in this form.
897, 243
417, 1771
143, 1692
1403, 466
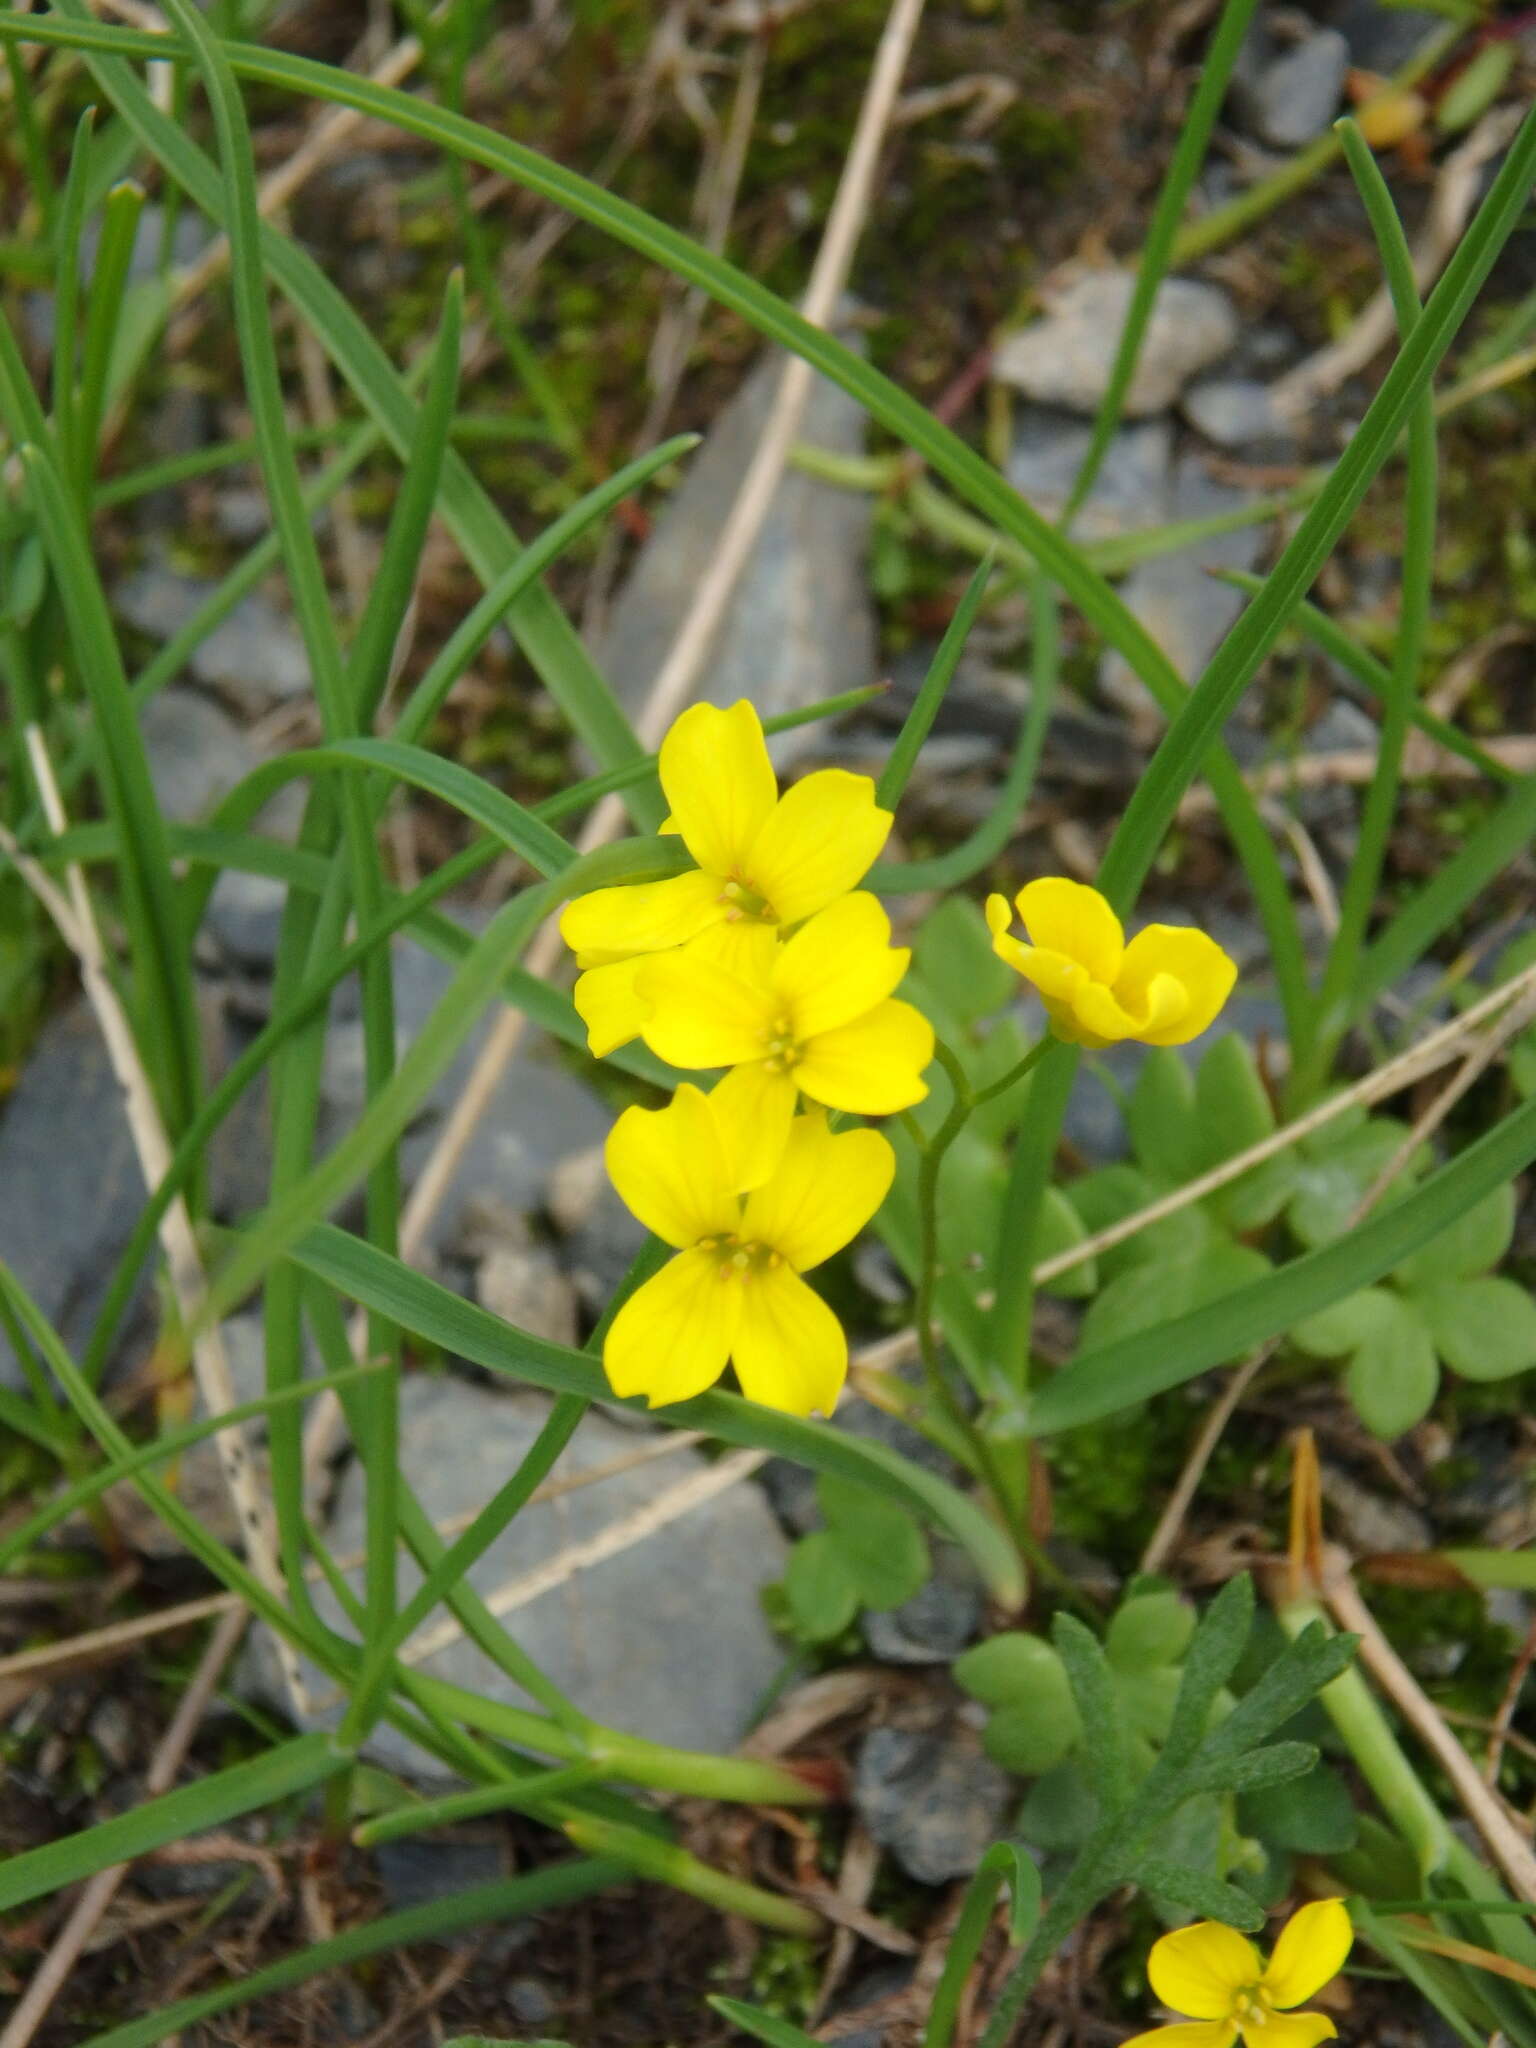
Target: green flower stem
1367, 1734
668, 1864
522, 1795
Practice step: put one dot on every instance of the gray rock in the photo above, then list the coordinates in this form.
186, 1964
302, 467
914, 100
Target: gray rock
1066, 357
600, 1237
1237, 412
196, 753
1381, 37
254, 658
241, 513
1186, 611
665, 1639
1130, 491
1369, 1523
1342, 729
245, 917
937, 1622
932, 1797
417, 1870
801, 625
1082, 747
70, 1188
1290, 98
515, 1279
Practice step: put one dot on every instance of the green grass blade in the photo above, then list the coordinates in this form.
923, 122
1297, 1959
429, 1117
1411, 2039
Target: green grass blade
103, 319
1157, 251
66, 293
1417, 585
163, 1010
208, 1803
389, 598
918, 723
559, 1884
440, 1317
1119, 1375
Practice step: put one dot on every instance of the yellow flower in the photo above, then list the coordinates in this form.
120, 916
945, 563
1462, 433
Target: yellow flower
1219, 1978
734, 1289
1164, 988
764, 860
814, 1016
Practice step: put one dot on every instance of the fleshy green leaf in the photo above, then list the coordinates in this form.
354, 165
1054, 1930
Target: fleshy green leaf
1474, 1243
880, 1548
1060, 1229
1337, 1331
1309, 1816
1146, 1295
1484, 1329
952, 952
1393, 1375
1161, 1117
1016, 1669
1333, 1179
1149, 1630
1024, 1743
818, 1588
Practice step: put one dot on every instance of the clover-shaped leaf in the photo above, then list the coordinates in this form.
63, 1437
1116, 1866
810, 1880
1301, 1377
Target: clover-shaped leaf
1485, 1329
1393, 1374
1473, 1243
871, 1554
1145, 1295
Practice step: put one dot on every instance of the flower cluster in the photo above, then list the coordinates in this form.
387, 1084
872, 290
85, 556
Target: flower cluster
1218, 1977
765, 959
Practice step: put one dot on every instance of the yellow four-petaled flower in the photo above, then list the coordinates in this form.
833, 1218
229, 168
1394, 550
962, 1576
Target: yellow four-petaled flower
733, 1291
764, 861
1164, 988
1218, 1977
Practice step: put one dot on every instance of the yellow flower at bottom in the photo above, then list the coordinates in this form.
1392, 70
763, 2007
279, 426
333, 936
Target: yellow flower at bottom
734, 1290
1164, 988
1218, 1977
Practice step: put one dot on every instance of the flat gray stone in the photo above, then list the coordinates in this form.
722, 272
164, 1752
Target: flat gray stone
665, 1639
932, 1797
1130, 490
254, 658
70, 1188
1291, 98
935, 1625
1186, 611
1066, 357
196, 752
1237, 412
801, 625
1381, 37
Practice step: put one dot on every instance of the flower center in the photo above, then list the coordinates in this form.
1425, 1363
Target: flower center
1251, 2006
740, 1258
743, 901
781, 1047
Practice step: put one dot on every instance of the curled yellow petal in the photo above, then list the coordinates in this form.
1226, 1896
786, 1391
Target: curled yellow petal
818, 842
873, 1066
719, 782
827, 1187
1103, 1019
1202, 1970
672, 1337
671, 1168
839, 965
789, 1349
610, 1005
1192, 959
1312, 1948
640, 917
1070, 918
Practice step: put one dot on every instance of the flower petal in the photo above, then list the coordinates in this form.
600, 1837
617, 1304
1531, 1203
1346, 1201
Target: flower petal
719, 782
672, 1337
1290, 2030
701, 1014
1201, 1969
754, 1107
818, 843
827, 1187
1312, 1947
790, 1351
838, 965
672, 1169
873, 1065
1187, 2034
1098, 1019
1194, 960
1069, 917
640, 917
740, 945
609, 1004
